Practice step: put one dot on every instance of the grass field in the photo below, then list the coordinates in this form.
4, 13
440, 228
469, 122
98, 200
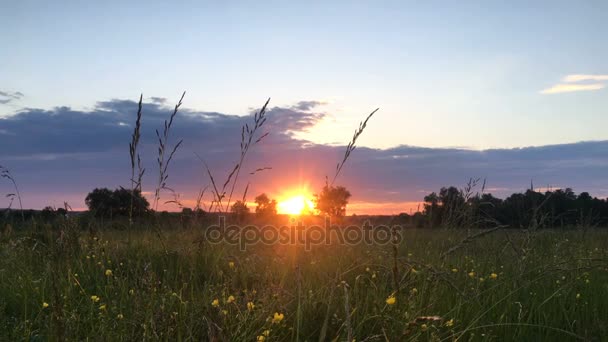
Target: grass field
121, 285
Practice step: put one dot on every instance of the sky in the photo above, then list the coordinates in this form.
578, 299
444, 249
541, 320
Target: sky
504, 91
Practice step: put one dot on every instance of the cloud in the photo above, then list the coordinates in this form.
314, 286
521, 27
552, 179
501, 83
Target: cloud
307, 105
577, 82
580, 78
567, 88
62, 130
9, 96
61, 154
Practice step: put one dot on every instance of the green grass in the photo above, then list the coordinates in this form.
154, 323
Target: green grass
557, 289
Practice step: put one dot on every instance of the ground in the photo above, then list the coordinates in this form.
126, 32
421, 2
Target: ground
169, 284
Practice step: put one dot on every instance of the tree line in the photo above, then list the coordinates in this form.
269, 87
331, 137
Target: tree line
450, 207
106, 203
453, 207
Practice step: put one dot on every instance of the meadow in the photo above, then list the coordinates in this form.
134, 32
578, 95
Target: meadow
127, 271
61, 282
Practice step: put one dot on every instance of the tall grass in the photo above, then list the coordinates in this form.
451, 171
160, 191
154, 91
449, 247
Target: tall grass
151, 295
6, 173
136, 158
165, 154
250, 136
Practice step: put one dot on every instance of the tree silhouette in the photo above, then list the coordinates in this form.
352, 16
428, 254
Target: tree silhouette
239, 209
265, 206
107, 203
530, 209
332, 200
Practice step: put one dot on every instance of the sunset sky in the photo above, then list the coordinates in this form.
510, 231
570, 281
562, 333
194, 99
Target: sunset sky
510, 92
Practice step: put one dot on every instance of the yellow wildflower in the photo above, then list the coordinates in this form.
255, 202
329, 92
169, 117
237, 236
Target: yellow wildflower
493, 276
578, 296
108, 273
230, 299
278, 317
102, 307
455, 270
424, 327
250, 306
120, 316
215, 303
225, 312
449, 323
481, 279
261, 338
391, 300
414, 270
95, 299
231, 264
414, 290
266, 333
45, 305
472, 274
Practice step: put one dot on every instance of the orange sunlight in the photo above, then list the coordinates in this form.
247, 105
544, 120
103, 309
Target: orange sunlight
295, 203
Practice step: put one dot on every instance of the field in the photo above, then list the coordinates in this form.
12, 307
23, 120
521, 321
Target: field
61, 282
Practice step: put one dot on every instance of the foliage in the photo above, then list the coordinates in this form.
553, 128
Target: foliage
531, 209
239, 209
107, 203
265, 206
332, 200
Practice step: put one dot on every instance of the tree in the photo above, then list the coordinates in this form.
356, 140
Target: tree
107, 203
61, 212
431, 209
99, 202
239, 209
48, 213
266, 206
332, 200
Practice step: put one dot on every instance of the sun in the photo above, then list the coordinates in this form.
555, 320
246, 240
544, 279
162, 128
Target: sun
295, 205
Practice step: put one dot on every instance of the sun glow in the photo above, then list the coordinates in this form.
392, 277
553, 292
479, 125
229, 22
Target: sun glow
295, 205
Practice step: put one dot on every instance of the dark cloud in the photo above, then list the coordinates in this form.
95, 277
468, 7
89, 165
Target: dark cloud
60, 154
8, 96
307, 105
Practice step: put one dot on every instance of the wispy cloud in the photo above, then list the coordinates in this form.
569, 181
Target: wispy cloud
568, 88
9, 96
580, 78
577, 82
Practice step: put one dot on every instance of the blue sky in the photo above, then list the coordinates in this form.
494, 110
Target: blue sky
473, 75
443, 73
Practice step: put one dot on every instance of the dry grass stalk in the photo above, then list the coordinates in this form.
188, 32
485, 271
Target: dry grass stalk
135, 159
351, 145
6, 173
163, 158
248, 139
